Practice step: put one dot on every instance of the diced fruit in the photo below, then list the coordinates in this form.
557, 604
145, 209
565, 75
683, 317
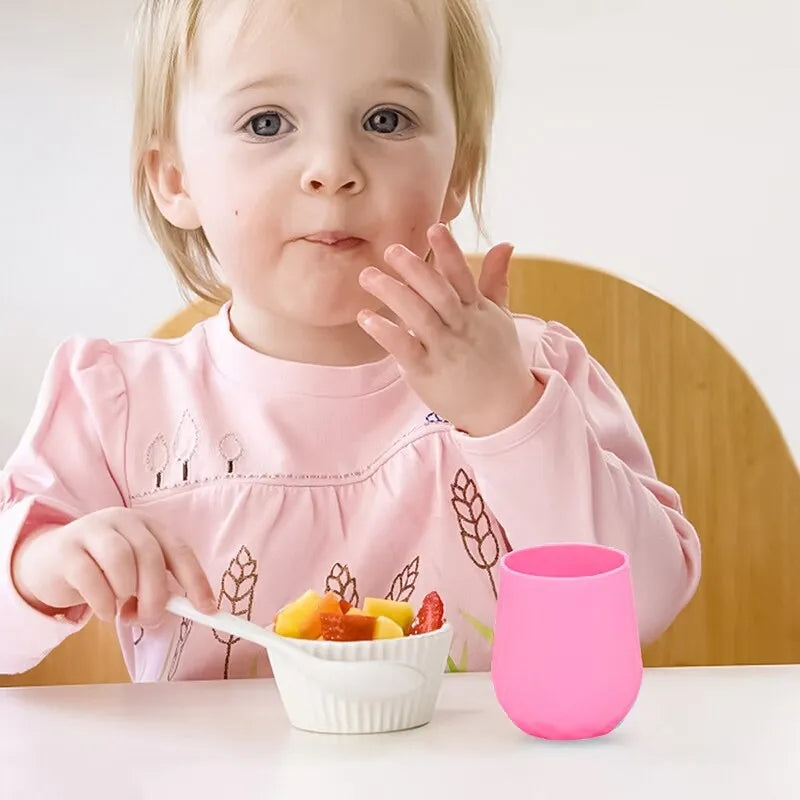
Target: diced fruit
328, 617
330, 604
300, 618
347, 627
386, 628
431, 615
402, 613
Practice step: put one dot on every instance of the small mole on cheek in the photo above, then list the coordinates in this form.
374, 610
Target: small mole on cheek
236, 212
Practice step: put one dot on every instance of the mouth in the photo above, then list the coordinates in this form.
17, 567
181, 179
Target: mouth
334, 240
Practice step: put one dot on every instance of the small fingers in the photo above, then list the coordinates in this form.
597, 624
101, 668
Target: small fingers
83, 573
184, 565
493, 281
121, 563
404, 346
152, 591
428, 283
452, 264
113, 553
414, 310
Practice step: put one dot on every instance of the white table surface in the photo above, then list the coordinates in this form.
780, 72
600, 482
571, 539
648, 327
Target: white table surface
694, 733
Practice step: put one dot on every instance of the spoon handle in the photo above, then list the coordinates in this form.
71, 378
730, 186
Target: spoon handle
221, 621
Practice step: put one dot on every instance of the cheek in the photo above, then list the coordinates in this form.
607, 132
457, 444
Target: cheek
221, 176
235, 208
418, 183
414, 211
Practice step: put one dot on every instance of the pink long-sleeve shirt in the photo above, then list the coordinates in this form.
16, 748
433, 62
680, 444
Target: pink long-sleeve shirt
286, 476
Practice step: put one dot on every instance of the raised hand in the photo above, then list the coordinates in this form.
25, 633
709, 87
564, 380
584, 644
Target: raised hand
453, 337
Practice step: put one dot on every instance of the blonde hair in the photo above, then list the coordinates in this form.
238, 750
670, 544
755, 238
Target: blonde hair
165, 37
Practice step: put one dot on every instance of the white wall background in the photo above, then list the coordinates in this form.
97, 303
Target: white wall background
656, 139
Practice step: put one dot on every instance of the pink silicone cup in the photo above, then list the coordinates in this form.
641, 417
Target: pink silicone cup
567, 661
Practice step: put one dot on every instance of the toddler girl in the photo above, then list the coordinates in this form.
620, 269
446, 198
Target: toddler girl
362, 416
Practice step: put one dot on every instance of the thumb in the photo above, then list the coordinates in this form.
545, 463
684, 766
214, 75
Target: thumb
493, 281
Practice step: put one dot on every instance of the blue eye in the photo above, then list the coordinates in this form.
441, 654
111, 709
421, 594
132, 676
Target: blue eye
387, 121
265, 125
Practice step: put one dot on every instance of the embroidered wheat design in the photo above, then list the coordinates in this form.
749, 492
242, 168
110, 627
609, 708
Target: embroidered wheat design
404, 583
236, 595
183, 634
340, 582
477, 535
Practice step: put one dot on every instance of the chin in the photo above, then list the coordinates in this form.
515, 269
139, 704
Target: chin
328, 310
327, 316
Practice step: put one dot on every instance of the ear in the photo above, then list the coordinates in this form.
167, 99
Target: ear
453, 204
165, 178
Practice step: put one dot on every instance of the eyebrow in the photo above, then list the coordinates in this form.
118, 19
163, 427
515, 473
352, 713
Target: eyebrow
405, 83
266, 82
282, 81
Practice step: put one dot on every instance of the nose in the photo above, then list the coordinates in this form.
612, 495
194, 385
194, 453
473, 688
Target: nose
333, 171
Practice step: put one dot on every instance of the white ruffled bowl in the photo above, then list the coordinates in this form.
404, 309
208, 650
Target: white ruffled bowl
388, 685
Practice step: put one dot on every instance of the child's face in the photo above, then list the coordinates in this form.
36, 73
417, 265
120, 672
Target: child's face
323, 119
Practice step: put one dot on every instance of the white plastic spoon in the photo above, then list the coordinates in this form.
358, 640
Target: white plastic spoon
361, 679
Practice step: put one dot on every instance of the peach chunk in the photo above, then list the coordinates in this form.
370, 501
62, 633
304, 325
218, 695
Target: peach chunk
300, 618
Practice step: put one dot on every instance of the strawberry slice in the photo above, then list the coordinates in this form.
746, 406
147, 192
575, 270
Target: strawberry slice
344, 628
430, 616
344, 606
